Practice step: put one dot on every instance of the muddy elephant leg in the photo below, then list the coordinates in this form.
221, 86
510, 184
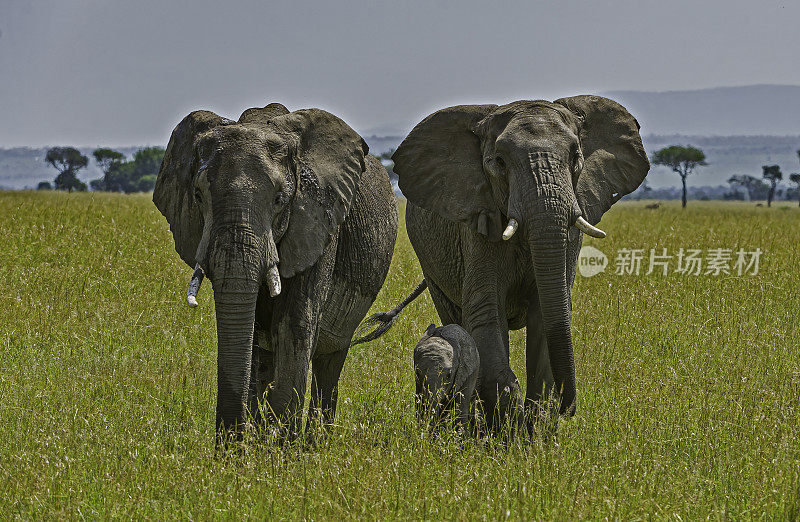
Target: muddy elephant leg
325, 372
295, 326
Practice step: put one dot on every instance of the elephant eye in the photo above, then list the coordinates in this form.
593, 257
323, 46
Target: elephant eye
500, 162
198, 195
280, 198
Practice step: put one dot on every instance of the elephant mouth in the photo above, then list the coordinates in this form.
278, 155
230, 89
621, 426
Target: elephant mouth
273, 281
580, 223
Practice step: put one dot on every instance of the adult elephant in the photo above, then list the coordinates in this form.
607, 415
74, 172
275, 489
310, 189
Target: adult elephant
295, 225
496, 198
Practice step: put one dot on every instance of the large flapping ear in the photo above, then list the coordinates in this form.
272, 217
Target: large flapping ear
174, 190
263, 114
615, 162
328, 159
440, 168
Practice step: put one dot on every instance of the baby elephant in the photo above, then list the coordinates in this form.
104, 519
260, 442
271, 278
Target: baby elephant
446, 365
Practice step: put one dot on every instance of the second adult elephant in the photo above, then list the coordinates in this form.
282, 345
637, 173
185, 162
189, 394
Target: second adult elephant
497, 199
294, 224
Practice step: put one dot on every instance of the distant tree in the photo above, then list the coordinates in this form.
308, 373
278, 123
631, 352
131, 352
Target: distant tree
795, 178
681, 160
108, 160
45, 185
68, 181
756, 189
771, 173
146, 163
137, 175
67, 161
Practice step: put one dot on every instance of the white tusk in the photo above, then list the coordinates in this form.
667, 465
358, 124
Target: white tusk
584, 226
274, 281
510, 229
194, 286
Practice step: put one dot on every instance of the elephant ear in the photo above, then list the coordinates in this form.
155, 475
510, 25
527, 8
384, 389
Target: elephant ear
440, 168
174, 190
615, 162
328, 159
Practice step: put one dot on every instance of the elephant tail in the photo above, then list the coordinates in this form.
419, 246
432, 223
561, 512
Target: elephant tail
378, 324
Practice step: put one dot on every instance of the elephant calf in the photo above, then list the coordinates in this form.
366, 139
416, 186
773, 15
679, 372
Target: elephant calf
446, 365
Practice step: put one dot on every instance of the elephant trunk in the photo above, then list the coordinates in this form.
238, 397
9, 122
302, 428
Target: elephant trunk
239, 263
547, 207
549, 264
236, 310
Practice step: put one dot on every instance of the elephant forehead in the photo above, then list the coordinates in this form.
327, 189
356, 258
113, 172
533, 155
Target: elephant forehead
233, 138
434, 351
541, 112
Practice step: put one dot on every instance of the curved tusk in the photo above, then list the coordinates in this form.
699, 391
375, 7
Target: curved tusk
510, 229
194, 286
584, 226
274, 281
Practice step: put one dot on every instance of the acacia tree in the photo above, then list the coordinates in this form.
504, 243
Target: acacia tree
681, 160
67, 161
109, 161
795, 178
773, 174
136, 175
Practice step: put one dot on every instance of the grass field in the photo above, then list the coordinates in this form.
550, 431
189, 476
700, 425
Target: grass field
689, 386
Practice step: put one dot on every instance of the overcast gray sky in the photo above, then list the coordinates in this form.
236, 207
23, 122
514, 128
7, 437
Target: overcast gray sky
124, 73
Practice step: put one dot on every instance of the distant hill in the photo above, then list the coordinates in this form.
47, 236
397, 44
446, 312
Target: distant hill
726, 156
722, 111
739, 128
380, 144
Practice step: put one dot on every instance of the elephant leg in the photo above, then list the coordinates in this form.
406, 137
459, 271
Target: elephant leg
449, 312
539, 386
484, 317
325, 372
295, 327
463, 411
261, 374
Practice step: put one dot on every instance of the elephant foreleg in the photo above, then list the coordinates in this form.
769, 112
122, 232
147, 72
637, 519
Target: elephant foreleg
295, 327
539, 389
261, 374
484, 317
325, 371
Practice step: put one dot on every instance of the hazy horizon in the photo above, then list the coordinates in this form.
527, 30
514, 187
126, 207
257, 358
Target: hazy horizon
91, 73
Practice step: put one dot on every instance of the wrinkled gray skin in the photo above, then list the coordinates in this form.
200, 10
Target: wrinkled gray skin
446, 365
465, 171
299, 191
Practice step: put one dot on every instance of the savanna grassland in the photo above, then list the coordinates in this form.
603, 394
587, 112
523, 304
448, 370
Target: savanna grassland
689, 386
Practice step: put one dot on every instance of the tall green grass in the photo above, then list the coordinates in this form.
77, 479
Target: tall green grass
689, 387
